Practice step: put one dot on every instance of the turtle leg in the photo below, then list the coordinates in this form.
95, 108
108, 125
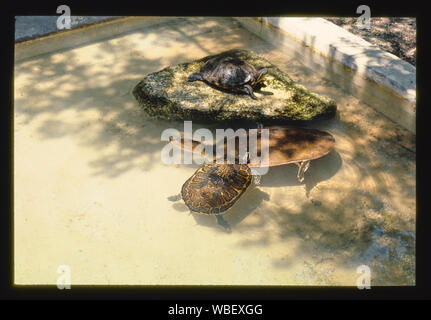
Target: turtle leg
222, 222
303, 166
175, 197
249, 90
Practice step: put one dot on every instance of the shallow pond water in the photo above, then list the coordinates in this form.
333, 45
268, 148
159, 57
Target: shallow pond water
91, 190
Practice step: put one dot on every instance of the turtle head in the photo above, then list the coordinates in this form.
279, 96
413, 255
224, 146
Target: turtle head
186, 144
195, 77
259, 75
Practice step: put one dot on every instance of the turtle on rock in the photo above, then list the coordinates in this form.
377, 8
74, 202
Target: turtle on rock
214, 188
232, 74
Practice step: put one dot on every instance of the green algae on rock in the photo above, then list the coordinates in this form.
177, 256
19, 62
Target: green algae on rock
167, 94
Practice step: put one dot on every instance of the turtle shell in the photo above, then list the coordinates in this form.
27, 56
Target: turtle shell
214, 188
227, 72
288, 144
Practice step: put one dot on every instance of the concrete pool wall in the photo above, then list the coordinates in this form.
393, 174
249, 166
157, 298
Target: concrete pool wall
335, 50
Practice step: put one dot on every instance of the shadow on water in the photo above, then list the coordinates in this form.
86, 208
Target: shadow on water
252, 199
119, 122
320, 170
280, 176
348, 233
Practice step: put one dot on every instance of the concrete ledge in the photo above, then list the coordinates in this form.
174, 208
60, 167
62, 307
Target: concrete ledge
366, 62
32, 27
81, 35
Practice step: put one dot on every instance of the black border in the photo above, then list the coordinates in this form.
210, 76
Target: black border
177, 294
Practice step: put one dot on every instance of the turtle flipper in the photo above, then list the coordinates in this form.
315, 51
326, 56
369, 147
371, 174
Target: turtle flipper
303, 166
222, 222
249, 90
175, 197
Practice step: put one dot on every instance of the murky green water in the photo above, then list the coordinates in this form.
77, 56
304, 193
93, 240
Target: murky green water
91, 190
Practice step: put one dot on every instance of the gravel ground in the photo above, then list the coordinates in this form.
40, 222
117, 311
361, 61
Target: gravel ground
395, 35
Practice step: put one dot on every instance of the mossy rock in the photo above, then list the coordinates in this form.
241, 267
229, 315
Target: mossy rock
167, 94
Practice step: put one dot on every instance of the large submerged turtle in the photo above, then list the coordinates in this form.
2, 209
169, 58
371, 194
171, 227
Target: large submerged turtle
230, 73
214, 188
287, 145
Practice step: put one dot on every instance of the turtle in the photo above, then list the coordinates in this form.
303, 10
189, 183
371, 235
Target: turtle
287, 144
214, 188
232, 74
